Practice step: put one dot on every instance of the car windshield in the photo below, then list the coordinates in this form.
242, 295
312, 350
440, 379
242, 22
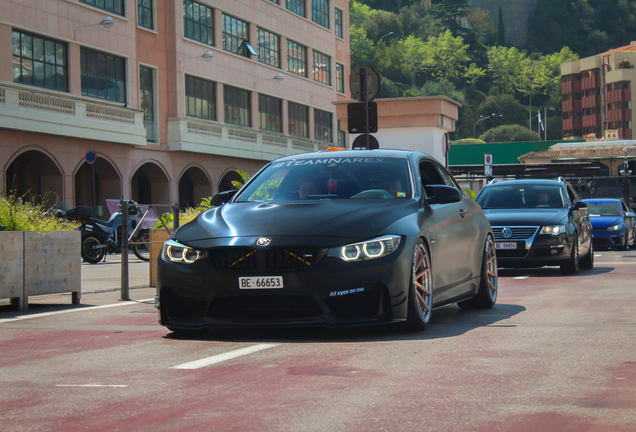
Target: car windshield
603, 209
331, 178
518, 197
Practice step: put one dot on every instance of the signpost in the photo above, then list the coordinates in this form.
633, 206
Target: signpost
364, 83
91, 155
488, 165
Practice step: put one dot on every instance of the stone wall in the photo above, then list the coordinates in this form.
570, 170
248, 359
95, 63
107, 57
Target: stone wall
516, 14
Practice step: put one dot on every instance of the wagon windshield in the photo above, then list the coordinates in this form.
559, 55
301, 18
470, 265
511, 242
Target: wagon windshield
527, 196
331, 178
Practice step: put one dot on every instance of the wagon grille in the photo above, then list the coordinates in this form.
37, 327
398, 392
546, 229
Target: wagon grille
518, 233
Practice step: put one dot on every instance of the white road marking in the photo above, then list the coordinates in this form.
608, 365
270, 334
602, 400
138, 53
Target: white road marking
223, 357
44, 314
92, 385
521, 277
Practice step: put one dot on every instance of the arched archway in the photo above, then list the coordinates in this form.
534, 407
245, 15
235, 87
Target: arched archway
226, 181
150, 185
194, 185
107, 183
35, 177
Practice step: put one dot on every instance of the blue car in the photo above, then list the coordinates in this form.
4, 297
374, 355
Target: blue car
613, 222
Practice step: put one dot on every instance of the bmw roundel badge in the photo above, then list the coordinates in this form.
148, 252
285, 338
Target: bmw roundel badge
263, 241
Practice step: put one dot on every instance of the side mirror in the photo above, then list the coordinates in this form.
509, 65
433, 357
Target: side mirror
580, 205
630, 214
223, 197
441, 194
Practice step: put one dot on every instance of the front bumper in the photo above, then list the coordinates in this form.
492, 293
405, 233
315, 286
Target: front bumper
605, 238
329, 293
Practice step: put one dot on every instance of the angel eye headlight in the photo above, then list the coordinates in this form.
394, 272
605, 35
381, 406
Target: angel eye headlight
370, 249
173, 251
553, 229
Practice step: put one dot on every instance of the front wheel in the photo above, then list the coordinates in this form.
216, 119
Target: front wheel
141, 246
588, 262
420, 302
91, 252
489, 282
571, 266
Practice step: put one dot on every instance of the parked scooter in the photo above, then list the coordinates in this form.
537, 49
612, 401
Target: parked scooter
99, 237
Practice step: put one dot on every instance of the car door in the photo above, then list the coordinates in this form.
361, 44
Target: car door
451, 246
582, 222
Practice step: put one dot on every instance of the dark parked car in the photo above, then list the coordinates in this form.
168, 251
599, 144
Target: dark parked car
538, 223
331, 239
613, 222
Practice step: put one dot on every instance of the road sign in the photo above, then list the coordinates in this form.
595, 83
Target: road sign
358, 90
361, 142
487, 159
356, 117
488, 165
90, 157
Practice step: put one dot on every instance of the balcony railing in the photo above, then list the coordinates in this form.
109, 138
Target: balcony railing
33, 109
204, 136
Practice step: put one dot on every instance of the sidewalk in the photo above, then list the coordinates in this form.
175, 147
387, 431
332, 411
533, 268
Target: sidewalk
101, 285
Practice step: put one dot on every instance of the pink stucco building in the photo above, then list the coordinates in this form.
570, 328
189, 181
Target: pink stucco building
174, 96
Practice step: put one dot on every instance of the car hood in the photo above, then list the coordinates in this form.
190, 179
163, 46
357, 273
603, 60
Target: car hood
349, 219
526, 217
602, 222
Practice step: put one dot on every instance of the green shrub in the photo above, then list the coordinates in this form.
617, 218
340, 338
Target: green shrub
510, 133
467, 141
185, 216
18, 215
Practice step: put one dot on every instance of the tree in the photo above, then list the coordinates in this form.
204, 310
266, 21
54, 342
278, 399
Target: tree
481, 24
501, 31
359, 13
413, 55
532, 78
473, 73
450, 13
552, 65
510, 133
504, 65
599, 39
559, 23
381, 23
389, 5
445, 55
415, 20
362, 48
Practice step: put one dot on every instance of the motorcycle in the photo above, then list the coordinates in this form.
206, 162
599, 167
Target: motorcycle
100, 237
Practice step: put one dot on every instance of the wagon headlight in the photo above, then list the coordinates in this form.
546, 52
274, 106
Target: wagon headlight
370, 249
174, 251
553, 229
614, 228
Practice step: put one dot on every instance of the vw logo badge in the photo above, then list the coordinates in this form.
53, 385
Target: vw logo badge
506, 233
263, 241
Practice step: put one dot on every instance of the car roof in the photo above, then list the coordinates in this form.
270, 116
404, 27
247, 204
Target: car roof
385, 153
521, 182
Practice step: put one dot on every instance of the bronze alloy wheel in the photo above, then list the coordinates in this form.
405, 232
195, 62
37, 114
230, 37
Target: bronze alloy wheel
421, 293
491, 268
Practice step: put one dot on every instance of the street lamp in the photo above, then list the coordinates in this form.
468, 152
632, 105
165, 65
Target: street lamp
389, 33
208, 55
625, 171
106, 22
278, 77
485, 118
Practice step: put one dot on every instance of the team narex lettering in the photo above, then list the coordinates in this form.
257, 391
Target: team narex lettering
327, 161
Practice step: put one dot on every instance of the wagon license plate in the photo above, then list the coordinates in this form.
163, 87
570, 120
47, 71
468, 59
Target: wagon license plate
505, 245
261, 282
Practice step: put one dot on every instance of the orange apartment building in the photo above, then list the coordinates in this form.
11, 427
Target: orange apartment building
174, 96
597, 94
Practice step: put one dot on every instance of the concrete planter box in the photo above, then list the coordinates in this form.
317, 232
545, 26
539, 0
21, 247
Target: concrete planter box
38, 263
157, 238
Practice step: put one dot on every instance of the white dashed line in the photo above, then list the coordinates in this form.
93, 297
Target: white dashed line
521, 277
92, 385
223, 357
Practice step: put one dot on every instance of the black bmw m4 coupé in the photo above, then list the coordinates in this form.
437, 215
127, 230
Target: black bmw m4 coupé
335, 238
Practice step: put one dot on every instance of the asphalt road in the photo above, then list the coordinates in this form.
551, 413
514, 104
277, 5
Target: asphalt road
557, 353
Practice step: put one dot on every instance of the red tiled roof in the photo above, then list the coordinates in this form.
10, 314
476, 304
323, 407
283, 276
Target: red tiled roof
627, 48
581, 153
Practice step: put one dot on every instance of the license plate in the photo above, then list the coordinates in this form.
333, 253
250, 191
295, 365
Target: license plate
509, 245
261, 282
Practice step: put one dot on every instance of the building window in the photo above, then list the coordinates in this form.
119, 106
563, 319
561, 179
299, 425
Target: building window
39, 61
103, 75
320, 12
322, 125
114, 6
322, 68
147, 101
296, 58
198, 22
271, 113
200, 98
342, 137
275, 1
296, 6
237, 106
236, 36
339, 25
340, 82
268, 48
298, 119
144, 13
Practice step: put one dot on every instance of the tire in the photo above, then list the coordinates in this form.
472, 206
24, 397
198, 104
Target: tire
489, 282
625, 245
89, 254
141, 246
587, 263
420, 301
572, 265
